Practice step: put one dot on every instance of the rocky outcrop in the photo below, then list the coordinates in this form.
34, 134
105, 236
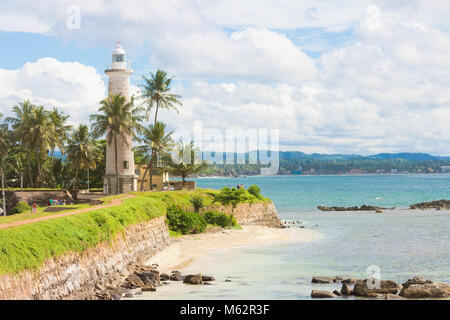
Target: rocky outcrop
438, 205
363, 288
354, 208
421, 288
326, 280
260, 213
193, 279
80, 275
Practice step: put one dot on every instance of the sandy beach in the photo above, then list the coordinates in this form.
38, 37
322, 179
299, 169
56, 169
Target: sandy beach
186, 249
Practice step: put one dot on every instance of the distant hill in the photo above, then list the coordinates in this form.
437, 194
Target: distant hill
406, 156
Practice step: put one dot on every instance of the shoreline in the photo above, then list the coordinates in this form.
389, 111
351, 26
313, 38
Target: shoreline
187, 249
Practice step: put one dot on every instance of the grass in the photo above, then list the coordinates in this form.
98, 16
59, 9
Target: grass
29, 246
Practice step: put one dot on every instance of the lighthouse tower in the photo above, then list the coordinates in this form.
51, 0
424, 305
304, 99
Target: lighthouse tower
119, 83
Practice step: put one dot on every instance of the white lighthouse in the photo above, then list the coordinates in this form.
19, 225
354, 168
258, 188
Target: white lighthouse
119, 83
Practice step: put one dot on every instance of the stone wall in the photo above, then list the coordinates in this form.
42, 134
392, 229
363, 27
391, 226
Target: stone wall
75, 275
261, 213
40, 197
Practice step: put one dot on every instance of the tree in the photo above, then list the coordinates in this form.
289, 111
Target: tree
41, 134
82, 151
4, 146
61, 130
185, 161
157, 143
155, 92
21, 129
116, 118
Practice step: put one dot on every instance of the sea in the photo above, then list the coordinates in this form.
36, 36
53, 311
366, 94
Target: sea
396, 244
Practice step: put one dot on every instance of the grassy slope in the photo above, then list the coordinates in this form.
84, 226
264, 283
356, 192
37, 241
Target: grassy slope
28, 246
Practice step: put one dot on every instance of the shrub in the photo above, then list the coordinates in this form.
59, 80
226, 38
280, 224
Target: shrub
21, 207
220, 219
185, 222
255, 191
197, 203
232, 196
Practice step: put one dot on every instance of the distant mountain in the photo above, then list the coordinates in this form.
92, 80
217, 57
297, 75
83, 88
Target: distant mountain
406, 156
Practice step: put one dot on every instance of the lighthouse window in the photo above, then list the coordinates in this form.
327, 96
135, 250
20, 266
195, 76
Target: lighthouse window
125, 164
119, 58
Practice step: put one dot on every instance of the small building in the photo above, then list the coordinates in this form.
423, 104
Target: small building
445, 169
160, 180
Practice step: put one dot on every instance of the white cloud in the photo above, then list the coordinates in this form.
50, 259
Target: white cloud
71, 86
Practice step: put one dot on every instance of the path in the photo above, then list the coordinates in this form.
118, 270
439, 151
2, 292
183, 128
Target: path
114, 202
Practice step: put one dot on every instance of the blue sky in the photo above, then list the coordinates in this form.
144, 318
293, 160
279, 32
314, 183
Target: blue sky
333, 76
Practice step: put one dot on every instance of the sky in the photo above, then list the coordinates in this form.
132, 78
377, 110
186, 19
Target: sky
333, 76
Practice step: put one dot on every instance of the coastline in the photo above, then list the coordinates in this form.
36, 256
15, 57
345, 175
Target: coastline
187, 249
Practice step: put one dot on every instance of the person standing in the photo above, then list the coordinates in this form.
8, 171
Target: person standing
34, 208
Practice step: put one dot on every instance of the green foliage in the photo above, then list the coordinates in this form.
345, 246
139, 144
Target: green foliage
185, 222
21, 207
220, 219
197, 202
255, 191
233, 196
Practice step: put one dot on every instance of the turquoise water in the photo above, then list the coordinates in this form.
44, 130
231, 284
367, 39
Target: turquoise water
401, 243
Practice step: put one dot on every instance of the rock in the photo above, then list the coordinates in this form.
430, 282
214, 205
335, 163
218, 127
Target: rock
386, 286
133, 281
415, 280
378, 211
426, 290
325, 279
164, 277
227, 280
104, 295
193, 279
349, 281
148, 287
151, 277
208, 278
176, 277
116, 296
337, 293
391, 296
322, 294
129, 295
441, 204
345, 290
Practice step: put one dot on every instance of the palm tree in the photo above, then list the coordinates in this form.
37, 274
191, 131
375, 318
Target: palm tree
82, 151
155, 92
20, 125
41, 135
4, 146
58, 120
157, 142
185, 161
116, 118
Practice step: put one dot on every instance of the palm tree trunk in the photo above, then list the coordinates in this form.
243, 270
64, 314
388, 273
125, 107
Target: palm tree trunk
29, 168
156, 111
51, 155
151, 170
3, 191
21, 185
117, 166
76, 178
143, 178
38, 165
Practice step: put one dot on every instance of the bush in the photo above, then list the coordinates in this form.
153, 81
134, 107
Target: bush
220, 219
232, 196
255, 191
185, 222
197, 203
21, 207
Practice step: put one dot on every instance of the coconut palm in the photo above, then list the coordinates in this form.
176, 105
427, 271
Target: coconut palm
20, 125
155, 93
60, 128
82, 151
41, 135
117, 118
184, 161
156, 143
4, 146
